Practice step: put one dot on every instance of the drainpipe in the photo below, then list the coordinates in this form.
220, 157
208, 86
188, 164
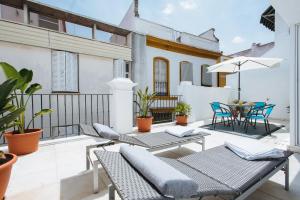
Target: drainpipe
94, 31
136, 8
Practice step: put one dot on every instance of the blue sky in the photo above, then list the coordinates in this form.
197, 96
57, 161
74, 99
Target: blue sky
236, 21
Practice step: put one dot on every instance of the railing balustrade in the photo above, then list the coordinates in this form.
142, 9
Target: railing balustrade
69, 110
162, 108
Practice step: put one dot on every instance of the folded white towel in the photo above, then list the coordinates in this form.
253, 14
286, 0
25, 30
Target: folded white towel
254, 150
180, 131
197, 131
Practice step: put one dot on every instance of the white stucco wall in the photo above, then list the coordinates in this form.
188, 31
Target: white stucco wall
94, 71
199, 98
34, 58
146, 27
196, 41
258, 85
289, 11
146, 76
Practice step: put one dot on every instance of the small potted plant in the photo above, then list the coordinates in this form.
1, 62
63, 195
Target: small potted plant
183, 110
22, 140
8, 115
144, 120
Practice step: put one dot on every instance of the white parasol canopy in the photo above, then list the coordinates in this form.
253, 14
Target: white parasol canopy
243, 63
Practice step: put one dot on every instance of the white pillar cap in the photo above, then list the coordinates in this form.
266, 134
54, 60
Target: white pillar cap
121, 84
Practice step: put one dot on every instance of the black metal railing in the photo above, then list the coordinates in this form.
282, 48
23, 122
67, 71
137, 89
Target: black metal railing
69, 110
161, 88
162, 108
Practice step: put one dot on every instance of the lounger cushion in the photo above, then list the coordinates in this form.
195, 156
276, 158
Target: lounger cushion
106, 132
254, 150
180, 131
169, 181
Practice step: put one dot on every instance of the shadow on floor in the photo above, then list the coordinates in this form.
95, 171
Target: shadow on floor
81, 186
253, 132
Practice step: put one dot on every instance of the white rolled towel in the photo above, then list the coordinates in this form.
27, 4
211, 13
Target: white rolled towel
254, 150
180, 131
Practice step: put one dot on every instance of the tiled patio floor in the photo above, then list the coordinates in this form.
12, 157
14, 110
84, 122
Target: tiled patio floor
57, 170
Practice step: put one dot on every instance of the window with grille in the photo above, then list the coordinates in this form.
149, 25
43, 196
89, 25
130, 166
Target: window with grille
206, 78
127, 70
64, 72
161, 76
186, 71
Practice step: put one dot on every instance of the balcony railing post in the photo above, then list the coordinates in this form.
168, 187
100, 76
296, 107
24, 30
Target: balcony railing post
120, 108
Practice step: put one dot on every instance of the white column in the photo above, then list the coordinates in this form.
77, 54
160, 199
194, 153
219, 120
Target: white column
121, 104
26, 13
295, 86
187, 96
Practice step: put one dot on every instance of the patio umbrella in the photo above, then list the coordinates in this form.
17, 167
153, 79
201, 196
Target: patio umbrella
243, 63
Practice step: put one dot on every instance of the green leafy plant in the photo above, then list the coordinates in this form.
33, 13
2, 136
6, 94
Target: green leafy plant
8, 111
183, 109
20, 94
145, 100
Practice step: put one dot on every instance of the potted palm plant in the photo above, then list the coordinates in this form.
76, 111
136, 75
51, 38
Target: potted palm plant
144, 120
22, 140
8, 115
182, 110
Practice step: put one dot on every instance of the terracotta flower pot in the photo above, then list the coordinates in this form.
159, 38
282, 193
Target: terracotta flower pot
181, 120
25, 143
144, 124
5, 170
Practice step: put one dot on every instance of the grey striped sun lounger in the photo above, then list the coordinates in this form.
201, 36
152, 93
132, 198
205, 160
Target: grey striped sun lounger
152, 142
217, 171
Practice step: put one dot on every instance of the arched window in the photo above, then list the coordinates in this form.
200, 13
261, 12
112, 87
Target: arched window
186, 71
206, 78
161, 76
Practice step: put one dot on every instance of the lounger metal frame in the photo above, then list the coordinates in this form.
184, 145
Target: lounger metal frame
283, 167
89, 161
96, 163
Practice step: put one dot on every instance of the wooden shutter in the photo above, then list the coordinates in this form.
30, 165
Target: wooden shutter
71, 72
186, 71
58, 71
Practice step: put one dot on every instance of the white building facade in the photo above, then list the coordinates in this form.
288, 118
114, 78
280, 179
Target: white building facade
61, 62
163, 57
289, 13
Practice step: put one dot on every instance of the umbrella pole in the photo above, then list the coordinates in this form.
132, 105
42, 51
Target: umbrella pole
239, 84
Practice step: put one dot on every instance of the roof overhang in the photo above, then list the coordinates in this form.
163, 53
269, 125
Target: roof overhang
57, 13
181, 48
268, 18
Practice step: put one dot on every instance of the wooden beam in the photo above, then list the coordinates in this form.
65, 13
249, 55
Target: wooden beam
181, 48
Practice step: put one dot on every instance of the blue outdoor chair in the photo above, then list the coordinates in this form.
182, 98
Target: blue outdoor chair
257, 113
257, 108
221, 110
